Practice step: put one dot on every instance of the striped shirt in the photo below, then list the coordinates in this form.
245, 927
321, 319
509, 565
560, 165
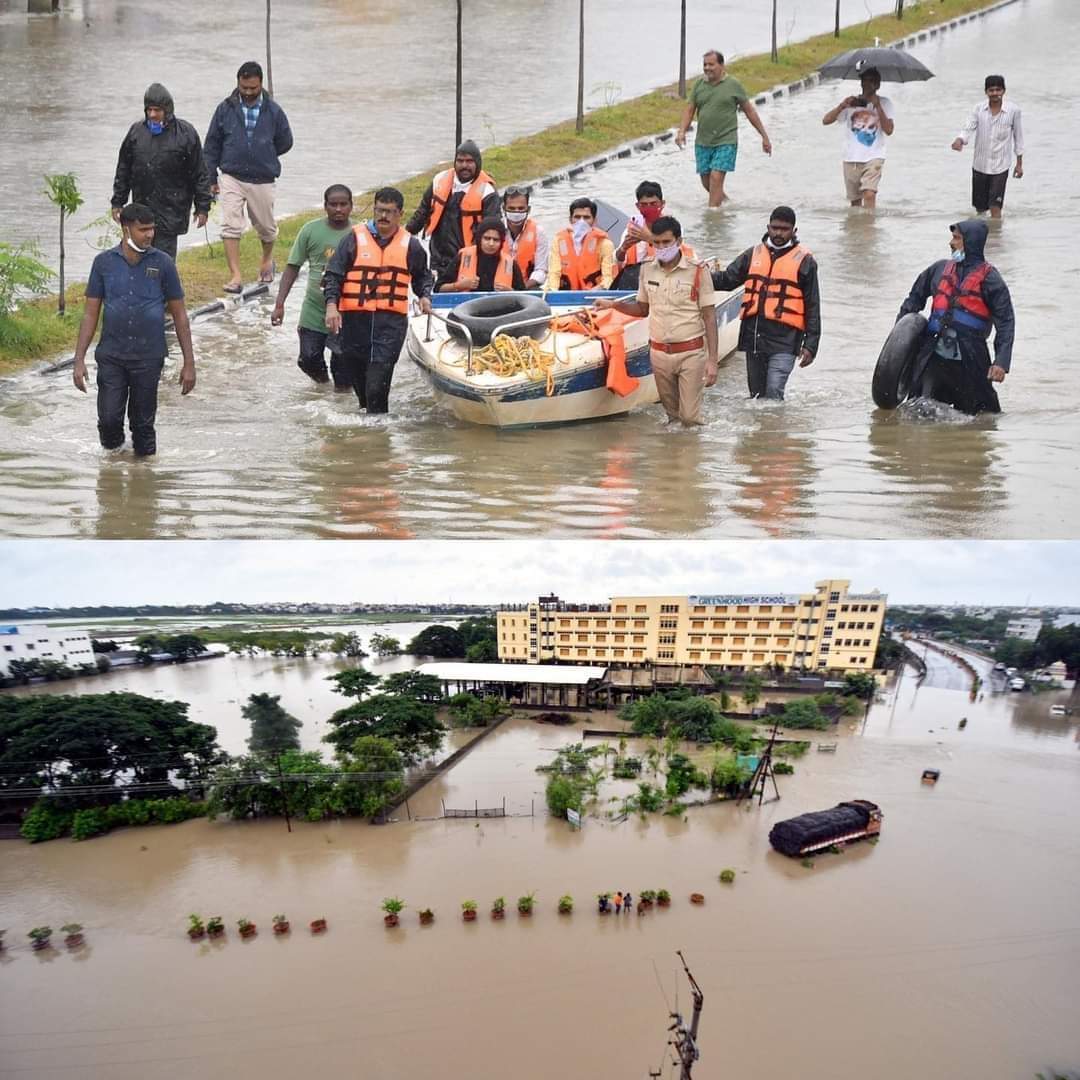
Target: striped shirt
251, 117
997, 137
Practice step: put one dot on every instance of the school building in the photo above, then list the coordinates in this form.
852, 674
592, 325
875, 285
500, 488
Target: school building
829, 629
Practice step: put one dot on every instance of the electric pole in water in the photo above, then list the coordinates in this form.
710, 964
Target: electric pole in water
685, 1042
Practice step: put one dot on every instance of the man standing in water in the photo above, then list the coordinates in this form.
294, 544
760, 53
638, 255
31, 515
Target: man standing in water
161, 166
316, 243
781, 310
366, 284
998, 136
249, 132
456, 200
677, 295
135, 282
969, 296
717, 99
867, 121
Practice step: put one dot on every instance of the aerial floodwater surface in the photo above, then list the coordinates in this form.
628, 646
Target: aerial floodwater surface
259, 451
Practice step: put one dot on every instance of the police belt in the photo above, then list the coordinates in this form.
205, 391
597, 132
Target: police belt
677, 346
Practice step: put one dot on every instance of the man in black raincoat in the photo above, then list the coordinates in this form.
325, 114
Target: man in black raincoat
455, 202
968, 297
161, 165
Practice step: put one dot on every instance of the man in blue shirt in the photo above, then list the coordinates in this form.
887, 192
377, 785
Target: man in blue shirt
135, 283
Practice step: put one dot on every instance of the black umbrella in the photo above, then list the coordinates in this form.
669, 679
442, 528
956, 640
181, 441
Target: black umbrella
894, 65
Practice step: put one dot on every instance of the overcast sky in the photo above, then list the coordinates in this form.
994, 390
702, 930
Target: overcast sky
73, 573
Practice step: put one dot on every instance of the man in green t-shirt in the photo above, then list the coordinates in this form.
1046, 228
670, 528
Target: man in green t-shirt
315, 244
717, 99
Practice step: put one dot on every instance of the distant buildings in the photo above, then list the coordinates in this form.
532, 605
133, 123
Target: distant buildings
1066, 618
1025, 629
35, 641
828, 629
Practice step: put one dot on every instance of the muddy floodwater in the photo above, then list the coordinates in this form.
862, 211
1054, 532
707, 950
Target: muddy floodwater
258, 451
949, 949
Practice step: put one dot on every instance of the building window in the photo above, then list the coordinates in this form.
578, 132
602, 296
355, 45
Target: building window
620, 637
620, 652
669, 609
621, 623
620, 607
695, 655
639, 639
667, 639
759, 658
834, 598
638, 608
666, 654
697, 624
668, 624
639, 624
736, 657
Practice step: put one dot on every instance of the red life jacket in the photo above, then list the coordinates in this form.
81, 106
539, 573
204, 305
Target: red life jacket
961, 303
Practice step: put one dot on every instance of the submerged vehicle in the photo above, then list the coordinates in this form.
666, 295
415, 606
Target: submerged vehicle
1060, 710
547, 374
1017, 684
845, 822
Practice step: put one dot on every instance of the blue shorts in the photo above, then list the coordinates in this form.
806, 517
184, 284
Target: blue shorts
715, 158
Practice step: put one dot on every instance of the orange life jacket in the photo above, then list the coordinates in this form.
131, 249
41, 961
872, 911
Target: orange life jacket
468, 267
961, 301
608, 326
379, 277
580, 271
442, 187
526, 248
633, 256
772, 287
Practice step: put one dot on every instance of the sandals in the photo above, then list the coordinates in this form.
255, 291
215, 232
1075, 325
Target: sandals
233, 290
267, 276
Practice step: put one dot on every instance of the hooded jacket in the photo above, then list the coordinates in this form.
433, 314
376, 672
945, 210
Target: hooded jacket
254, 161
448, 239
994, 291
165, 172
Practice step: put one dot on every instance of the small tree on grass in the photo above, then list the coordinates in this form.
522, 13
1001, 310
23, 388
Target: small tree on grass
62, 190
751, 691
20, 274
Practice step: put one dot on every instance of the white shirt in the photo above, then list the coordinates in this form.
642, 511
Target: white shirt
997, 138
543, 252
864, 139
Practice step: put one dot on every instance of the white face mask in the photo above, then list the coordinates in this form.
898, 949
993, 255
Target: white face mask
957, 256
581, 229
516, 217
135, 247
668, 253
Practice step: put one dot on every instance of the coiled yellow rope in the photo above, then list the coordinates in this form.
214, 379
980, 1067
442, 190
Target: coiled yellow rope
507, 356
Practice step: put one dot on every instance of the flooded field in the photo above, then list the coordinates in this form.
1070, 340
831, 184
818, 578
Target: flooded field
259, 452
939, 952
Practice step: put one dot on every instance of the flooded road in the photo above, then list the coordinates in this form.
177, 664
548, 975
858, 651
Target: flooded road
259, 452
391, 128
938, 951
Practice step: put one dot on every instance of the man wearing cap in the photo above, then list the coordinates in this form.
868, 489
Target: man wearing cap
456, 200
968, 298
677, 295
161, 166
998, 136
781, 310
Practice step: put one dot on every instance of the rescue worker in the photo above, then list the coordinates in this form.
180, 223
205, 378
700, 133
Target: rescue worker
781, 310
483, 267
161, 166
968, 297
636, 244
366, 285
677, 295
455, 200
582, 256
526, 240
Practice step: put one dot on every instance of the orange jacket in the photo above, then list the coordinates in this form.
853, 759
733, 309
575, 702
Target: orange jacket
580, 271
608, 326
442, 187
526, 248
467, 267
379, 277
772, 287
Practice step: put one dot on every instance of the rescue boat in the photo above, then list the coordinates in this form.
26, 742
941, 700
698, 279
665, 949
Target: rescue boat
569, 384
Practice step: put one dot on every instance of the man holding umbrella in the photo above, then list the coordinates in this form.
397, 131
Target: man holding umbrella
868, 121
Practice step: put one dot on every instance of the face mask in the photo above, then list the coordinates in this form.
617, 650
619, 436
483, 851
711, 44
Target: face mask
777, 246
581, 229
668, 253
156, 127
135, 247
957, 256
650, 213
516, 217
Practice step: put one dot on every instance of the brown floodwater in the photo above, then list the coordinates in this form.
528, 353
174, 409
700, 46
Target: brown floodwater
259, 452
949, 949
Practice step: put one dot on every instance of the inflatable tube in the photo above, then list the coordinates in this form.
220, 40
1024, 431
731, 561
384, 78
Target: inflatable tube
485, 314
892, 375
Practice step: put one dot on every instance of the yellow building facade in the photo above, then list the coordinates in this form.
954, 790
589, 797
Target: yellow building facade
830, 629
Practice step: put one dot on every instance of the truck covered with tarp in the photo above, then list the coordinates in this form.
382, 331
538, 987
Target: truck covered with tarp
820, 829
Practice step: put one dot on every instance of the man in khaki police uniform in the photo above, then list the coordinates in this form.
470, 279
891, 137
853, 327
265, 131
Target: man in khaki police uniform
677, 294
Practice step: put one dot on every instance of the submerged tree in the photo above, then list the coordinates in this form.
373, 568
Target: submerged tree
273, 730
410, 725
62, 190
354, 682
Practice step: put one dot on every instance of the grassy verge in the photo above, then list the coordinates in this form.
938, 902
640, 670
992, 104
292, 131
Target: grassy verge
35, 331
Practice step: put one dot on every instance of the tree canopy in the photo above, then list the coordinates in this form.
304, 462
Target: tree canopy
438, 641
411, 725
273, 730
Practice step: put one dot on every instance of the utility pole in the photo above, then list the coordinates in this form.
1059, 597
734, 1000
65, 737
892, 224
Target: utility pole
763, 773
685, 1042
579, 126
682, 49
457, 125
284, 794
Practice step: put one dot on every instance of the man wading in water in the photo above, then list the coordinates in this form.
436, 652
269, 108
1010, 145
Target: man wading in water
969, 296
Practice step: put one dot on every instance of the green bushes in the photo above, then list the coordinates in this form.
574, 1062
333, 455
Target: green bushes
46, 822
563, 793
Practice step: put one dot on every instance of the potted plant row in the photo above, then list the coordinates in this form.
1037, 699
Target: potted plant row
646, 899
247, 928
215, 926
498, 907
281, 924
525, 903
40, 936
427, 916
468, 910
73, 935
393, 906
663, 898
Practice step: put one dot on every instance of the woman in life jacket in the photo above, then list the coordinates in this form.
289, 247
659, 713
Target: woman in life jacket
484, 266
968, 299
